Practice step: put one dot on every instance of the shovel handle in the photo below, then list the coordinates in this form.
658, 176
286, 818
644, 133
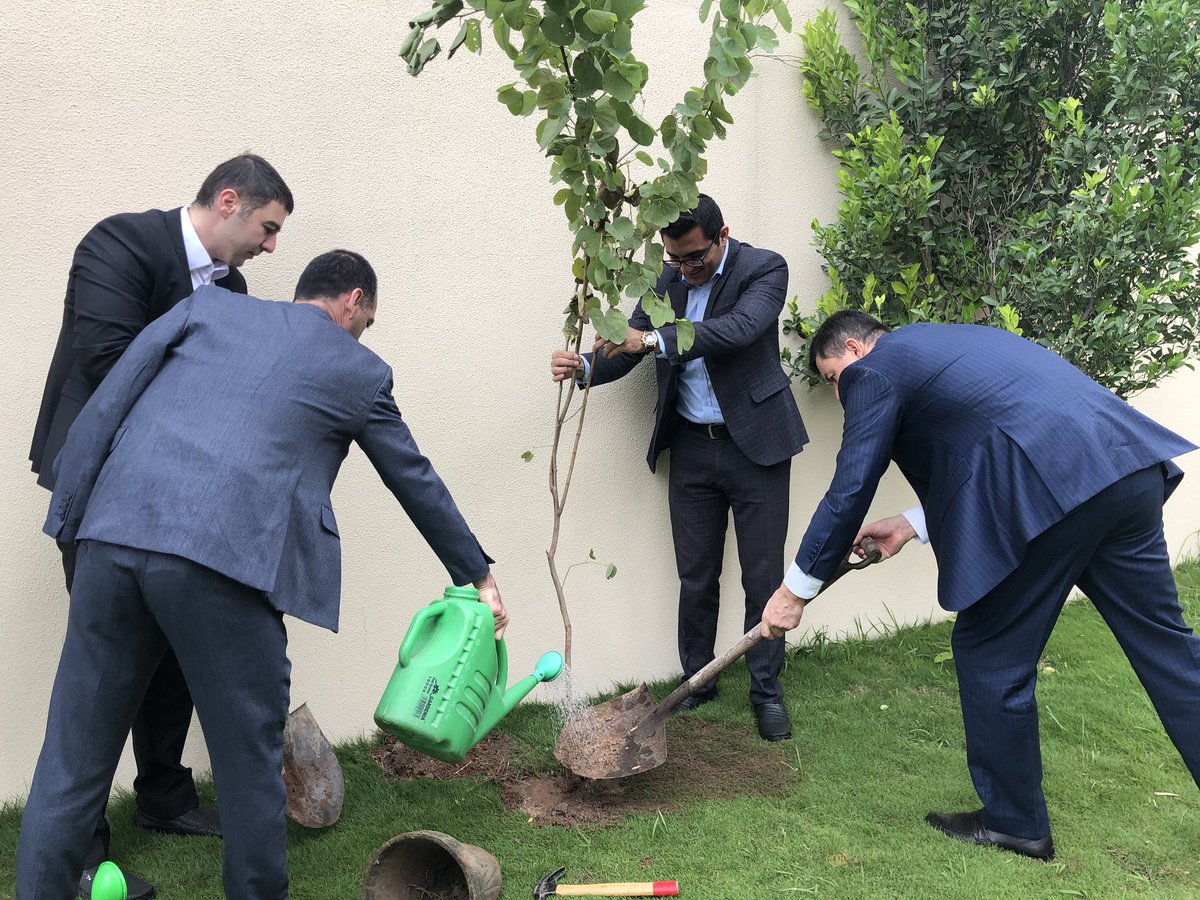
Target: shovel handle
754, 635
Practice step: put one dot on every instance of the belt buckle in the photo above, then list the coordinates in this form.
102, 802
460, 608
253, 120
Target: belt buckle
712, 436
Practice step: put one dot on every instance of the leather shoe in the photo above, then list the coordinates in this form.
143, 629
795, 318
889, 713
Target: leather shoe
138, 889
695, 701
198, 822
773, 722
969, 827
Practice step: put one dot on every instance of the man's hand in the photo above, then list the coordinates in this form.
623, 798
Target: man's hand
633, 344
782, 613
890, 534
489, 593
565, 364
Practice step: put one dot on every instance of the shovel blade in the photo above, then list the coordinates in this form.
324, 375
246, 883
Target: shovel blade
614, 739
311, 772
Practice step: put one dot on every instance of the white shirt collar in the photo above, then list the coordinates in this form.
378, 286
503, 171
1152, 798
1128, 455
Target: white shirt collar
203, 268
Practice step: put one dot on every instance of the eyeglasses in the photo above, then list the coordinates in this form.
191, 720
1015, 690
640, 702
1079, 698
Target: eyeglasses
693, 261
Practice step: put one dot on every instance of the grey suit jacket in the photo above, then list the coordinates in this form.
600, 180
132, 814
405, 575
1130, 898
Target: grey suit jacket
739, 342
218, 435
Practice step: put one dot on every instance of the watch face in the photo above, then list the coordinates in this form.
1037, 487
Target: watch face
649, 339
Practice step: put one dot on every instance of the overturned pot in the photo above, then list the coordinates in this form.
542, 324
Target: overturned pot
429, 865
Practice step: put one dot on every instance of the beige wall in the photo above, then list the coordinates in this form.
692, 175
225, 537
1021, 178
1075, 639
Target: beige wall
112, 106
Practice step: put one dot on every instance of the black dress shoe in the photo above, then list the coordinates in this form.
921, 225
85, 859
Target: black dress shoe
138, 889
695, 701
773, 722
198, 822
969, 827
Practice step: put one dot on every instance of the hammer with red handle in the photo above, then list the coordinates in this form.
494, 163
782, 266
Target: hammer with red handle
549, 887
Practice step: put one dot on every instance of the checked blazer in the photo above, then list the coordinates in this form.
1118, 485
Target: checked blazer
739, 341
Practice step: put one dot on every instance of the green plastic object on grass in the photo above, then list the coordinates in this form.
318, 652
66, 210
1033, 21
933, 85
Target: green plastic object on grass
448, 689
109, 883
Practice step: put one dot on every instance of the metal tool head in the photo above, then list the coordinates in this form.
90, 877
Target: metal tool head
548, 886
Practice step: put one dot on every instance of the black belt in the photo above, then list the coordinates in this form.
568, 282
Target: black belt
714, 432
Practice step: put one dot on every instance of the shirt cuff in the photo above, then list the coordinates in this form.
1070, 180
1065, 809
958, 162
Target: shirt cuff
662, 347
581, 380
916, 518
801, 583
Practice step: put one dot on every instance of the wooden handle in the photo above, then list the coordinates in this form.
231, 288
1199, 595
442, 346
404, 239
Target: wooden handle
620, 889
748, 640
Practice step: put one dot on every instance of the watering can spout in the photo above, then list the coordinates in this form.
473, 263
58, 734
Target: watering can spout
548, 668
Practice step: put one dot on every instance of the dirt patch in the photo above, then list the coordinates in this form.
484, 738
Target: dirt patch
705, 760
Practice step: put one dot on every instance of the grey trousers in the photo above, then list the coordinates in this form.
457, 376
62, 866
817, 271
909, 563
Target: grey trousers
127, 607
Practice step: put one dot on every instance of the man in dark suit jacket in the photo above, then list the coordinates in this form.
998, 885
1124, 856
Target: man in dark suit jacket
726, 410
1032, 479
197, 480
127, 271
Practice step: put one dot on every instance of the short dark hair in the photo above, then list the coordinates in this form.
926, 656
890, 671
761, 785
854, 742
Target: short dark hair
335, 273
255, 180
706, 215
831, 337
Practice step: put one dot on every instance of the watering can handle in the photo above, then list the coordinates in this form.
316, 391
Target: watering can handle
502, 664
417, 628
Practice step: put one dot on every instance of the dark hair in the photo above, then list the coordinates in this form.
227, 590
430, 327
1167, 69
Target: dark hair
706, 215
335, 273
255, 180
831, 337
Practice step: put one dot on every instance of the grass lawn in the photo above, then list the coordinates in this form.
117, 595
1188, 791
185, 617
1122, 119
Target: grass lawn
878, 743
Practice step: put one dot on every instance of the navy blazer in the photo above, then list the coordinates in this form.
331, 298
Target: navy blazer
218, 435
739, 341
999, 437
127, 271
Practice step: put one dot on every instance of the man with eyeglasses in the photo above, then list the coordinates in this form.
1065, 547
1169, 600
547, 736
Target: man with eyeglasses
726, 411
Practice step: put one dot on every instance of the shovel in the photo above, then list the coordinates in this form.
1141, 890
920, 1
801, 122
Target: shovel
625, 735
311, 773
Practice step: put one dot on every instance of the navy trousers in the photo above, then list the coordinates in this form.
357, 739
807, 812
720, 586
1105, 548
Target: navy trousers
709, 478
127, 607
1113, 548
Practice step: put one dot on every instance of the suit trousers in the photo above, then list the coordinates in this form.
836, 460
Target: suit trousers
164, 786
709, 477
127, 608
1113, 548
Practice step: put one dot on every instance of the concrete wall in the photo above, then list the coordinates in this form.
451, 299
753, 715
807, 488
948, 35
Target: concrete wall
114, 106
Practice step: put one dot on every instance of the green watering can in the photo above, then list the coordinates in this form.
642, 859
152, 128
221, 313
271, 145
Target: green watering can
109, 883
448, 689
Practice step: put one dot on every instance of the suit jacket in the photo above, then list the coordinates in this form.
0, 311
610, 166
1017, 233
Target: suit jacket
739, 341
999, 437
218, 435
127, 271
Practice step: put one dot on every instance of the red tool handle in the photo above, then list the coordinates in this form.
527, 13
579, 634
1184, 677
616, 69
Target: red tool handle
620, 889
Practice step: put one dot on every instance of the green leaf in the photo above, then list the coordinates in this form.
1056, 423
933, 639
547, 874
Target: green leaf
558, 30
644, 158
414, 35
685, 334
705, 7
616, 84
588, 77
658, 309
622, 229
459, 39
527, 455
549, 129
599, 21
474, 36
610, 572
782, 14
612, 326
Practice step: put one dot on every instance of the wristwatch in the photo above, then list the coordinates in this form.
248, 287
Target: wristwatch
649, 341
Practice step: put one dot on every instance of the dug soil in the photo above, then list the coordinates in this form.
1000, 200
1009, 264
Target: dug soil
705, 760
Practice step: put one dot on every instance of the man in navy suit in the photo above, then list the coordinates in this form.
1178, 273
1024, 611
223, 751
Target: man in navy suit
127, 271
726, 410
1032, 479
197, 481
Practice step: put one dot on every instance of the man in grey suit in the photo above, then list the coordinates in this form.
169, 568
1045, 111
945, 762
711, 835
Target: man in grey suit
197, 482
128, 270
726, 410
